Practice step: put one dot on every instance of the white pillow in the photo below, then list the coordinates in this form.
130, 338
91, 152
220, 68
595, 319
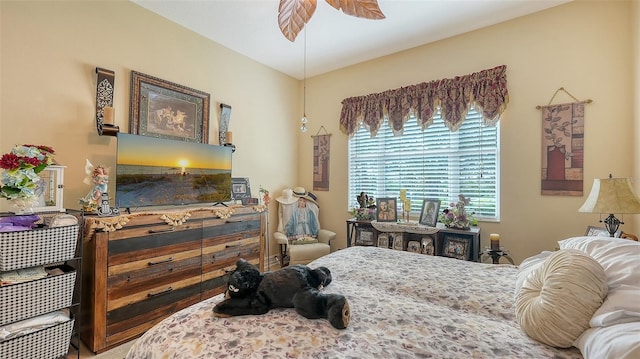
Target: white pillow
620, 258
618, 341
558, 298
622, 305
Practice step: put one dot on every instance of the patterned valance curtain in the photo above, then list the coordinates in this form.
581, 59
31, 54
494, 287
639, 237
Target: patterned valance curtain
485, 90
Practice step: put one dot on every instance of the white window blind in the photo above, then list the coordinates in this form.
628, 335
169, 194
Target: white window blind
435, 163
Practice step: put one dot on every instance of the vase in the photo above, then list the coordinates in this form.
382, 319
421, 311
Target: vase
22, 206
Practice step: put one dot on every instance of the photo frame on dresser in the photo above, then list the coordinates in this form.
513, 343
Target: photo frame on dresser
240, 188
454, 246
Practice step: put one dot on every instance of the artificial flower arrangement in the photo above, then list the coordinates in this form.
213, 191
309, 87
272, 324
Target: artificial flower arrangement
266, 198
21, 167
456, 215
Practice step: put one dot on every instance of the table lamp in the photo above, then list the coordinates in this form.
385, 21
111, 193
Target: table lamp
611, 195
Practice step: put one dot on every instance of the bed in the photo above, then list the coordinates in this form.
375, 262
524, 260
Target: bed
403, 305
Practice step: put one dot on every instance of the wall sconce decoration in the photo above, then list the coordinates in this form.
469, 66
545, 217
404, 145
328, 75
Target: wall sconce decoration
223, 127
104, 103
228, 141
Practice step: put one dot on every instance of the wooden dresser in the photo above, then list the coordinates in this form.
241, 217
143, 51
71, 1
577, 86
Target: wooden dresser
140, 268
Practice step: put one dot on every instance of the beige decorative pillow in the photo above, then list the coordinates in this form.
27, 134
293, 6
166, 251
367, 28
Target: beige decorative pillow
557, 299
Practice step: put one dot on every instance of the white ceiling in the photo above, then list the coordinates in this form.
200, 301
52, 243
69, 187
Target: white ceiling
334, 39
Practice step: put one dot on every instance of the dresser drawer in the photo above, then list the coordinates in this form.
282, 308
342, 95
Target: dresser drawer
222, 247
131, 282
135, 244
134, 319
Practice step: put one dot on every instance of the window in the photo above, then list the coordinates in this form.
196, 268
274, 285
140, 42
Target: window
435, 163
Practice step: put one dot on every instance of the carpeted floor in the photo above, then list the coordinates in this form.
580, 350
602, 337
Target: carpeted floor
115, 353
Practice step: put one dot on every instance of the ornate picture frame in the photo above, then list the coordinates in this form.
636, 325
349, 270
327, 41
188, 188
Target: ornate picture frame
165, 109
456, 247
364, 237
429, 212
383, 240
387, 209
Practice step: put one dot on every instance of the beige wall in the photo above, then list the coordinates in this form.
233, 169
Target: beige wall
635, 47
584, 47
49, 54
47, 96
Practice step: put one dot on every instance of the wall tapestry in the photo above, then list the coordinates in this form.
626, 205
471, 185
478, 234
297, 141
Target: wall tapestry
321, 152
563, 148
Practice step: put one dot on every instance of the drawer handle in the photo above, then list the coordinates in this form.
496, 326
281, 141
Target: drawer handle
161, 230
160, 292
233, 245
170, 259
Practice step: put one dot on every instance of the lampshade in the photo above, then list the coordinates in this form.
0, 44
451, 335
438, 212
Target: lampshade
611, 195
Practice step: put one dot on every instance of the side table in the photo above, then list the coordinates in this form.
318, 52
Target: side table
496, 255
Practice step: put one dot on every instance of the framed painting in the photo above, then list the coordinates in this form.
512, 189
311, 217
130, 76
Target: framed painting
383, 240
429, 213
364, 237
386, 209
593, 231
456, 247
427, 246
240, 188
398, 241
164, 109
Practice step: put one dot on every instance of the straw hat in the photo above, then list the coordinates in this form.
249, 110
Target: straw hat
287, 197
302, 192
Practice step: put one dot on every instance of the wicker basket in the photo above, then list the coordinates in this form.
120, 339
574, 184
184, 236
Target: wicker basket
33, 298
49, 343
37, 247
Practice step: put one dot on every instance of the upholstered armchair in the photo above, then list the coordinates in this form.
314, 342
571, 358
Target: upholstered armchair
299, 234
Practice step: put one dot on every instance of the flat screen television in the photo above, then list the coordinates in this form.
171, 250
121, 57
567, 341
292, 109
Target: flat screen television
154, 171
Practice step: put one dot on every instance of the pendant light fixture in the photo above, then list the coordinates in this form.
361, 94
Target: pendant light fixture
303, 121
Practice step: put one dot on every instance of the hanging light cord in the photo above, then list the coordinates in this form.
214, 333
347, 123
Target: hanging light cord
303, 126
304, 74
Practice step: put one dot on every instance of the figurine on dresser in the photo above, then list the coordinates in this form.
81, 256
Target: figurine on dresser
97, 200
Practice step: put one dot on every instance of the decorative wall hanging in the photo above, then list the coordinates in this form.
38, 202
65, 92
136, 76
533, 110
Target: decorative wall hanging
563, 147
105, 83
223, 127
321, 154
167, 110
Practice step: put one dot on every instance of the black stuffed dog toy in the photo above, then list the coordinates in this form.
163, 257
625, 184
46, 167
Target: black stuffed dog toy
297, 286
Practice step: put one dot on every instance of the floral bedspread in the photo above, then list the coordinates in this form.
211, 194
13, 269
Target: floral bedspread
403, 305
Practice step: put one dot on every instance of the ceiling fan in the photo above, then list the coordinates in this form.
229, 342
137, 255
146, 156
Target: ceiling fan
293, 14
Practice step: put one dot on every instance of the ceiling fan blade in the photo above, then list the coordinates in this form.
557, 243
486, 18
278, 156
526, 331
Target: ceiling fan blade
293, 14
366, 9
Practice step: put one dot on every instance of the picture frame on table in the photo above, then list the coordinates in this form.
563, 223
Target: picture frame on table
456, 247
398, 241
164, 109
364, 237
240, 188
429, 212
387, 209
383, 240
593, 231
